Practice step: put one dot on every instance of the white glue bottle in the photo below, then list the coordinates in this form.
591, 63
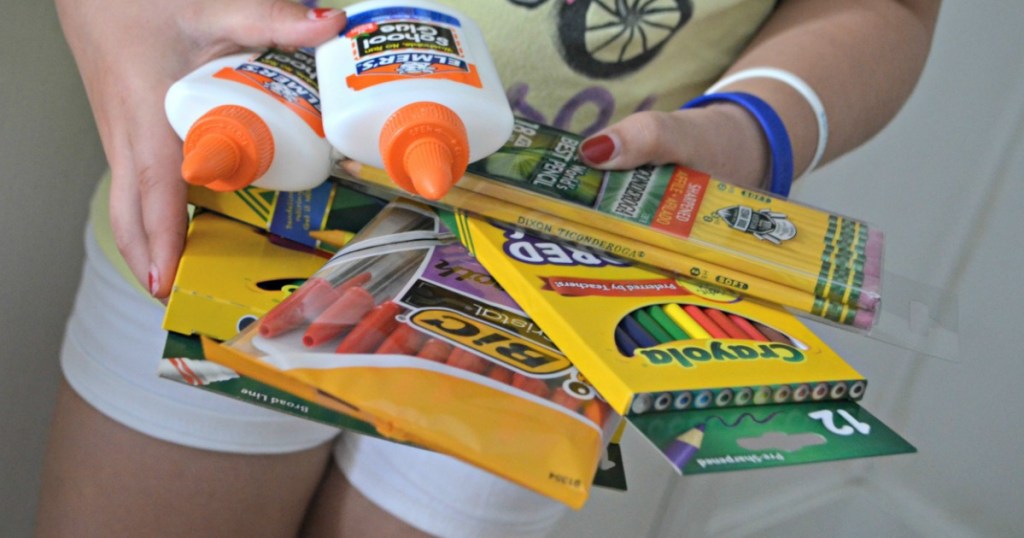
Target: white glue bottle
251, 118
409, 86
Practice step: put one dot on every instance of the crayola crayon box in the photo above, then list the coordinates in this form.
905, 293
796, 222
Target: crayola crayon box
324, 217
654, 341
817, 263
404, 330
231, 274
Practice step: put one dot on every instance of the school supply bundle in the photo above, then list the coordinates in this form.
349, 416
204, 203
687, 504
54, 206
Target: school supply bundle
813, 262
405, 331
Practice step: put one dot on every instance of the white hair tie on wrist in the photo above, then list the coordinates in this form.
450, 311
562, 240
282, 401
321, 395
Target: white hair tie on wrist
797, 84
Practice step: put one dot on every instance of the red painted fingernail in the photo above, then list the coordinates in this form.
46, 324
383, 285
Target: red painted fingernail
598, 149
154, 281
321, 13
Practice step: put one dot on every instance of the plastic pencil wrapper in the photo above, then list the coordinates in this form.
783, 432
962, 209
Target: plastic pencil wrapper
820, 264
405, 330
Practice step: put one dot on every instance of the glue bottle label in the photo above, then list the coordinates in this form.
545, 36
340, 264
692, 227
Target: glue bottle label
404, 43
289, 77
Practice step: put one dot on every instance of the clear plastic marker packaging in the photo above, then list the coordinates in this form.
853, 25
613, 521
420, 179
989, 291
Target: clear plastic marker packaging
814, 262
405, 330
251, 118
409, 86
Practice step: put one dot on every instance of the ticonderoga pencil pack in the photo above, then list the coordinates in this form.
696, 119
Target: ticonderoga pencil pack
404, 330
651, 341
815, 262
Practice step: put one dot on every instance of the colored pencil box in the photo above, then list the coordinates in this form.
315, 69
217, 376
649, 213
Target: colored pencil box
814, 262
404, 330
744, 438
649, 340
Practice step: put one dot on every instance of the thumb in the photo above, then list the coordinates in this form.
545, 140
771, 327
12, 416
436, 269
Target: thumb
279, 24
642, 138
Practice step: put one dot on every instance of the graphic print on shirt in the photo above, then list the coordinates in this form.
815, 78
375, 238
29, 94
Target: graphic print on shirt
603, 39
610, 38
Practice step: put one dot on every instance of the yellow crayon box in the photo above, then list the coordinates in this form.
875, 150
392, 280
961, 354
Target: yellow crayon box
649, 340
231, 274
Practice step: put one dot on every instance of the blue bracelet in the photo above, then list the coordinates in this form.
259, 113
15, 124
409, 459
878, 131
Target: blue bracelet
773, 128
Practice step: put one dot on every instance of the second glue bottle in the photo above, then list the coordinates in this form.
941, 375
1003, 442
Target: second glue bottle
409, 86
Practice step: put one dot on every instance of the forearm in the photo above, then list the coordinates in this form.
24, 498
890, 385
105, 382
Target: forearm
862, 57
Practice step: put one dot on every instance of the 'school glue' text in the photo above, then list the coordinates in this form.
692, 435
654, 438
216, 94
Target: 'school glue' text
409, 86
251, 118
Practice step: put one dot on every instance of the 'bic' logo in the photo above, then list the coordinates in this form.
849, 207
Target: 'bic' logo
491, 341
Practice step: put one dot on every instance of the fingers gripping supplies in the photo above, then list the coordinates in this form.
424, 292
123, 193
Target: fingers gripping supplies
251, 118
410, 87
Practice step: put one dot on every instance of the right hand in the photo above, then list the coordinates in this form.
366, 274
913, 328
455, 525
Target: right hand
129, 52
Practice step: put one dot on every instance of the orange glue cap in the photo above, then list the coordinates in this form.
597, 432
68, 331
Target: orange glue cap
424, 148
226, 149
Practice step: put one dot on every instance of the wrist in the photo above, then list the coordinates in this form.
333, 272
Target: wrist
776, 137
730, 145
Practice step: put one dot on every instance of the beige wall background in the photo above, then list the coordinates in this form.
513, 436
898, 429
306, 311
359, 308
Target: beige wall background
49, 160
944, 181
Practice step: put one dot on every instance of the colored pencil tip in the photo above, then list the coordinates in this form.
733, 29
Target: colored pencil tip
684, 447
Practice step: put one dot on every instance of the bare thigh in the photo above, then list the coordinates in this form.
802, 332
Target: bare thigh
103, 479
339, 510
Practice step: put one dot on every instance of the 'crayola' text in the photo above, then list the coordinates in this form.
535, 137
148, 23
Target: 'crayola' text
692, 355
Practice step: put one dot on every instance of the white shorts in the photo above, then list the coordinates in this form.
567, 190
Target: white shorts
112, 348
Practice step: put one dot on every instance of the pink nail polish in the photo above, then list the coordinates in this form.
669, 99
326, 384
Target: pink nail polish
154, 281
598, 149
322, 13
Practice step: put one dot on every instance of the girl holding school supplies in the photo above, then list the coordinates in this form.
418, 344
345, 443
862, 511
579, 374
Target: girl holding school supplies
799, 82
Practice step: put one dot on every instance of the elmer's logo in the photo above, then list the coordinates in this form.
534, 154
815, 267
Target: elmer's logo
692, 355
494, 343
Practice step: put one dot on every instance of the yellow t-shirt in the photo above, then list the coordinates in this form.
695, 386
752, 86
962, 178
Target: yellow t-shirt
580, 65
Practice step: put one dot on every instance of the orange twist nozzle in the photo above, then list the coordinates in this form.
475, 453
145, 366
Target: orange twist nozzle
425, 148
226, 149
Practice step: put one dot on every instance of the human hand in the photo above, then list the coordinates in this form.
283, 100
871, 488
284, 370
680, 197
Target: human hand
129, 52
722, 140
